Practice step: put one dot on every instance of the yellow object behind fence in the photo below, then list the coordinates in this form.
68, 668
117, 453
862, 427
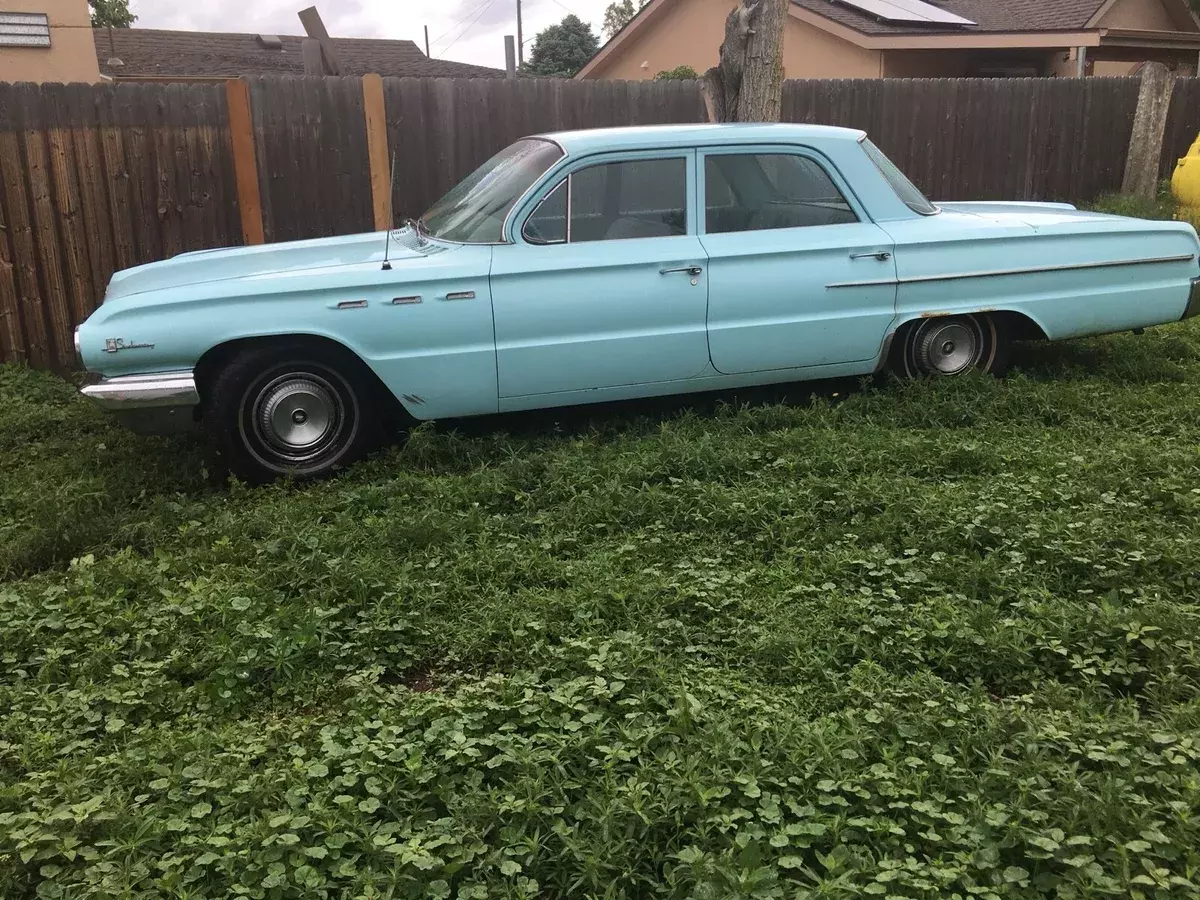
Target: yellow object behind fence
1185, 185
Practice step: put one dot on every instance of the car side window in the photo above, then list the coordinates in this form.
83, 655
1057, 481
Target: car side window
631, 199
548, 223
612, 201
763, 191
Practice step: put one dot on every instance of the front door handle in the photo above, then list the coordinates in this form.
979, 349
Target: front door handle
881, 255
694, 271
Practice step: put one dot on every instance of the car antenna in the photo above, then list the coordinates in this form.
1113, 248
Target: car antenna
387, 247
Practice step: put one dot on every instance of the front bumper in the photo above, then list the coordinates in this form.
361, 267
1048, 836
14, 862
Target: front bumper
149, 404
1193, 307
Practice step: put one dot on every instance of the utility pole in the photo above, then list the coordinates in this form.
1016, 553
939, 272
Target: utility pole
426, 40
520, 37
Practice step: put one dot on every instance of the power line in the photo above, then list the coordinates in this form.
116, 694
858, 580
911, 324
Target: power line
462, 34
463, 19
568, 9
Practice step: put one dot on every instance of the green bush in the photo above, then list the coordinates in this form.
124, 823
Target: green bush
679, 73
904, 640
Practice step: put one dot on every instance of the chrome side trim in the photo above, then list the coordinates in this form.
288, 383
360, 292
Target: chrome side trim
996, 273
404, 301
1193, 307
144, 391
570, 202
881, 282
461, 295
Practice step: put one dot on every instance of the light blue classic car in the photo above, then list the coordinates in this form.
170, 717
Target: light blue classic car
610, 264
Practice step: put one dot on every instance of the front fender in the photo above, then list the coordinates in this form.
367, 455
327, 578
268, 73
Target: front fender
442, 353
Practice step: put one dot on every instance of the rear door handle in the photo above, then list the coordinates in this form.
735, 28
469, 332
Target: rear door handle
694, 271
881, 255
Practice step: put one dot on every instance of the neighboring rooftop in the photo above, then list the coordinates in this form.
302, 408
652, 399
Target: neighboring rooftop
989, 15
203, 54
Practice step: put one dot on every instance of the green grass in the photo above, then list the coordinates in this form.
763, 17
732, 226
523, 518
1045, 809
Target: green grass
1161, 207
929, 640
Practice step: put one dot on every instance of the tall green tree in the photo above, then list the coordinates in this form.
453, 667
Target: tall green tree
562, 49
114, 13
619, 13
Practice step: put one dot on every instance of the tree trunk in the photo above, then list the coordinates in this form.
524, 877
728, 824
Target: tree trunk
746, 85
1149, 127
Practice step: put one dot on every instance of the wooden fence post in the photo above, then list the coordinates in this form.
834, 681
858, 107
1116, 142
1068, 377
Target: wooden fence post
375, 111
1149, 126
245, 163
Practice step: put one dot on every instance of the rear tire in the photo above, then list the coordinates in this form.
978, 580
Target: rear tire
291, 409
954, 345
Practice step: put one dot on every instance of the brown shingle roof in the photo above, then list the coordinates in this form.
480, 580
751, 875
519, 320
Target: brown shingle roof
146, 51
991, 15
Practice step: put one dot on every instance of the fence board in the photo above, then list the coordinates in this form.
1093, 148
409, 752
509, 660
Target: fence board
36, 344
117, 181
12, 343
67, 209
45, 231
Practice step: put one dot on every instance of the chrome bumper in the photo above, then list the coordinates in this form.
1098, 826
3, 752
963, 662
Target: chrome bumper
148, 404
1193, 307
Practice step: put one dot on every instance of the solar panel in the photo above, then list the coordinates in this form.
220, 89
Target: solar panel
933, 13
915, 11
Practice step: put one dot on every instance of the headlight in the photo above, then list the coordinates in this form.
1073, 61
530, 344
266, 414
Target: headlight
78, 352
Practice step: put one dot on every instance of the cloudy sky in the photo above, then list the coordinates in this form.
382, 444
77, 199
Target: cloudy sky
463, 30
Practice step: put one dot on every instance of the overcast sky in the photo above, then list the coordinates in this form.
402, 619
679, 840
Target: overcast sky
463, 30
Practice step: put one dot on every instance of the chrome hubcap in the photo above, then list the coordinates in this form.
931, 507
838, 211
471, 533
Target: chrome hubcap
950, 349
298, 416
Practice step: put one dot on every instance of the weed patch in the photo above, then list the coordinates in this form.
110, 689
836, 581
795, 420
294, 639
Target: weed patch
896, 640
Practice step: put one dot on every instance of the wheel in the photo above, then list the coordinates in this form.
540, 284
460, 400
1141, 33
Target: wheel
954, 345
290, 409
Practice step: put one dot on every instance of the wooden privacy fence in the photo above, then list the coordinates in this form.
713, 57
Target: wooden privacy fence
98, 178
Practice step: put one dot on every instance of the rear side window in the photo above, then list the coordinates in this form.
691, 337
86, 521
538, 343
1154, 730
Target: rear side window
905, 189
763, 191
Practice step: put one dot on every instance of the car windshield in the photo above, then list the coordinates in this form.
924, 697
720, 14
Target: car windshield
907, 191
475, 210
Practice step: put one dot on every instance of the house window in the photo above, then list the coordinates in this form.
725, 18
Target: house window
24, 29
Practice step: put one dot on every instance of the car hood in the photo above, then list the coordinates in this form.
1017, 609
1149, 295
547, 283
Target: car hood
207, 266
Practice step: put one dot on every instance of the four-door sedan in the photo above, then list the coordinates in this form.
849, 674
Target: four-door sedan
610, 264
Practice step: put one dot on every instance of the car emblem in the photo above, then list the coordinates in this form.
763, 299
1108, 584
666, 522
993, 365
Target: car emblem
116, 345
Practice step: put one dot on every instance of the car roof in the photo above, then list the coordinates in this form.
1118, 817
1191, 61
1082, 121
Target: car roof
653, 136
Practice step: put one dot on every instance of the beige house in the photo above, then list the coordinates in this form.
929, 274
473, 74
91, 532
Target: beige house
46, 40
885, 39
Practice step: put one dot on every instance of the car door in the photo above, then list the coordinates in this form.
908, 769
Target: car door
604, 284
798, 275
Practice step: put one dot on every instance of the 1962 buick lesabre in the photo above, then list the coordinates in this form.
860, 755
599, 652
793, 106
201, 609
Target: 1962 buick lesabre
610, 264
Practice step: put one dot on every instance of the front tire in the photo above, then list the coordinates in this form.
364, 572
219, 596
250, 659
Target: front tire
954, 345
290, 410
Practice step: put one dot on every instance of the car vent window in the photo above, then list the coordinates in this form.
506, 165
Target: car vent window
548, 223
763, 191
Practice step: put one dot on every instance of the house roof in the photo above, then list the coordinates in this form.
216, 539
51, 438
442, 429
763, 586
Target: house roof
1002, 23
990, 15
184, 54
